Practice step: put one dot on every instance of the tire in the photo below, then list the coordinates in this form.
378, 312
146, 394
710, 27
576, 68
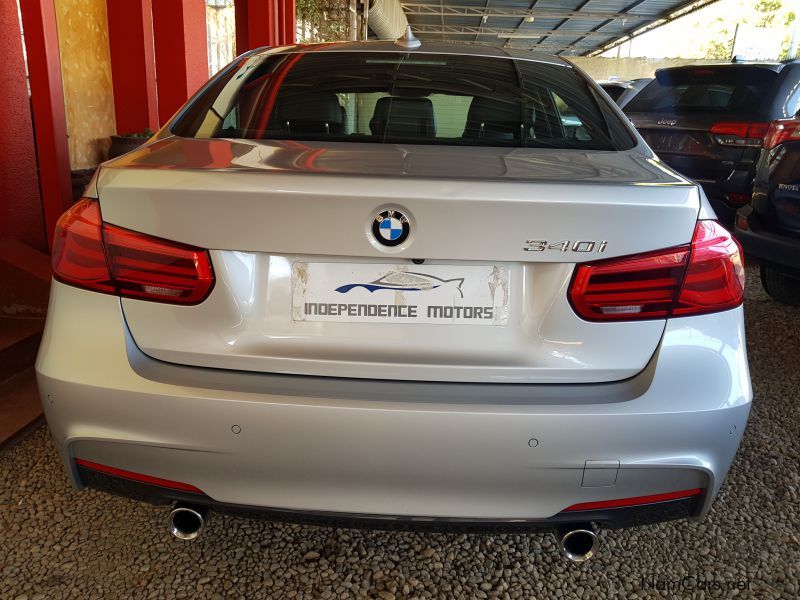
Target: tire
781, 286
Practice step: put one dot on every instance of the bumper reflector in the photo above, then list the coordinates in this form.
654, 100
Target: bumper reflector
741, 223
167, 483
636, 500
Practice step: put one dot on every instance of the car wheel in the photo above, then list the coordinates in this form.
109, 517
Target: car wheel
780, 285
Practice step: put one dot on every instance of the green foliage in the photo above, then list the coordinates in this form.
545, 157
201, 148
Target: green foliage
140, 134
719, 50
324, 20
768, 8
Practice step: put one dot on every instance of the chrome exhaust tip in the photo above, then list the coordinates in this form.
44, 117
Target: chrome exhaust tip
578, 542
186, 521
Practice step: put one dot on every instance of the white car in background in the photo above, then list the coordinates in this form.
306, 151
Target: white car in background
356, 283
623, 91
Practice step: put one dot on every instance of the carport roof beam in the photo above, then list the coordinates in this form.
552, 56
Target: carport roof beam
499, 32
580, 27
654, 24
443, 10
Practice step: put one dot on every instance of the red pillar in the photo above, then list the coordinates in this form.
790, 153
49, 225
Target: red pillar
288, 22
181, 49
133, 70
47, 107
264, 23
20, 205
241, 18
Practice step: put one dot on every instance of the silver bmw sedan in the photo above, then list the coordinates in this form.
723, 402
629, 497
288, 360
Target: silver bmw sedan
360, 283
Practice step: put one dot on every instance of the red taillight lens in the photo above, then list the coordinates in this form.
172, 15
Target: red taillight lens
706, 276
780, 131
90, 254
736, 129
155, 269
78, 256
715, 277
739, 134
634, 287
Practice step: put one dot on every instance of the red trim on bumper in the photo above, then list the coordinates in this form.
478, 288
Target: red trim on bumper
635, 501
167, 483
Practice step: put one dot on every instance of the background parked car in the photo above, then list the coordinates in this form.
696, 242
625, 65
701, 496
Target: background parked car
709, 122
623, 91
614, 88
769, 228
634, 87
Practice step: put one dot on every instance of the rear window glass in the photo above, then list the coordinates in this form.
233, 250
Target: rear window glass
384, 97
730, 90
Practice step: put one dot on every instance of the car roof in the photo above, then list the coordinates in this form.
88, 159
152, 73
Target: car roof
426, 48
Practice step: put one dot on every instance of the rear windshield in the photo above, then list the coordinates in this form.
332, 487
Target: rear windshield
384, 97
730, 90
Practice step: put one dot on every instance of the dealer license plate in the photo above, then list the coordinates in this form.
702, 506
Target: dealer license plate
388, 293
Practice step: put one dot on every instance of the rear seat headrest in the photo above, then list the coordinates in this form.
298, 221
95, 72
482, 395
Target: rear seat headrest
403, 117
493, 118
315, 112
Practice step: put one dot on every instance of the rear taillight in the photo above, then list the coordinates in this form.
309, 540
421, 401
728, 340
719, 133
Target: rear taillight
78, 256
715, 276
780, 131
746, 135
705, 276
94, 255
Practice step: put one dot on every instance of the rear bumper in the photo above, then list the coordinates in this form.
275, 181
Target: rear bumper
608, 518
766, 246
396, 451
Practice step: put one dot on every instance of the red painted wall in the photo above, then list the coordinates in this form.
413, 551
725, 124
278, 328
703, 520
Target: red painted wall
288, 21
179, 32
48, 110
264, 23
133, 70
20, 204
242, 34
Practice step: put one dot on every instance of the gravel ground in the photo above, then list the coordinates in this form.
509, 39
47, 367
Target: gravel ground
55, 542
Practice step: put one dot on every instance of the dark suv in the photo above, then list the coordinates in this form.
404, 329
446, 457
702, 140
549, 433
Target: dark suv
769, 228
709, 122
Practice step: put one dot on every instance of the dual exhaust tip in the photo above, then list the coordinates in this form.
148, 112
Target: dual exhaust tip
186, 521
577, 542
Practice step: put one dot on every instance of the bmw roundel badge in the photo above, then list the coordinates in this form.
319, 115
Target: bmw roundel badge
391, 228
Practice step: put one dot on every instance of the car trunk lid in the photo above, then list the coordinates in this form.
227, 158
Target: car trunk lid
290, 224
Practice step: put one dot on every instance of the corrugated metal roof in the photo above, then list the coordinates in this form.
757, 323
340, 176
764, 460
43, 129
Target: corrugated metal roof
567, 27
